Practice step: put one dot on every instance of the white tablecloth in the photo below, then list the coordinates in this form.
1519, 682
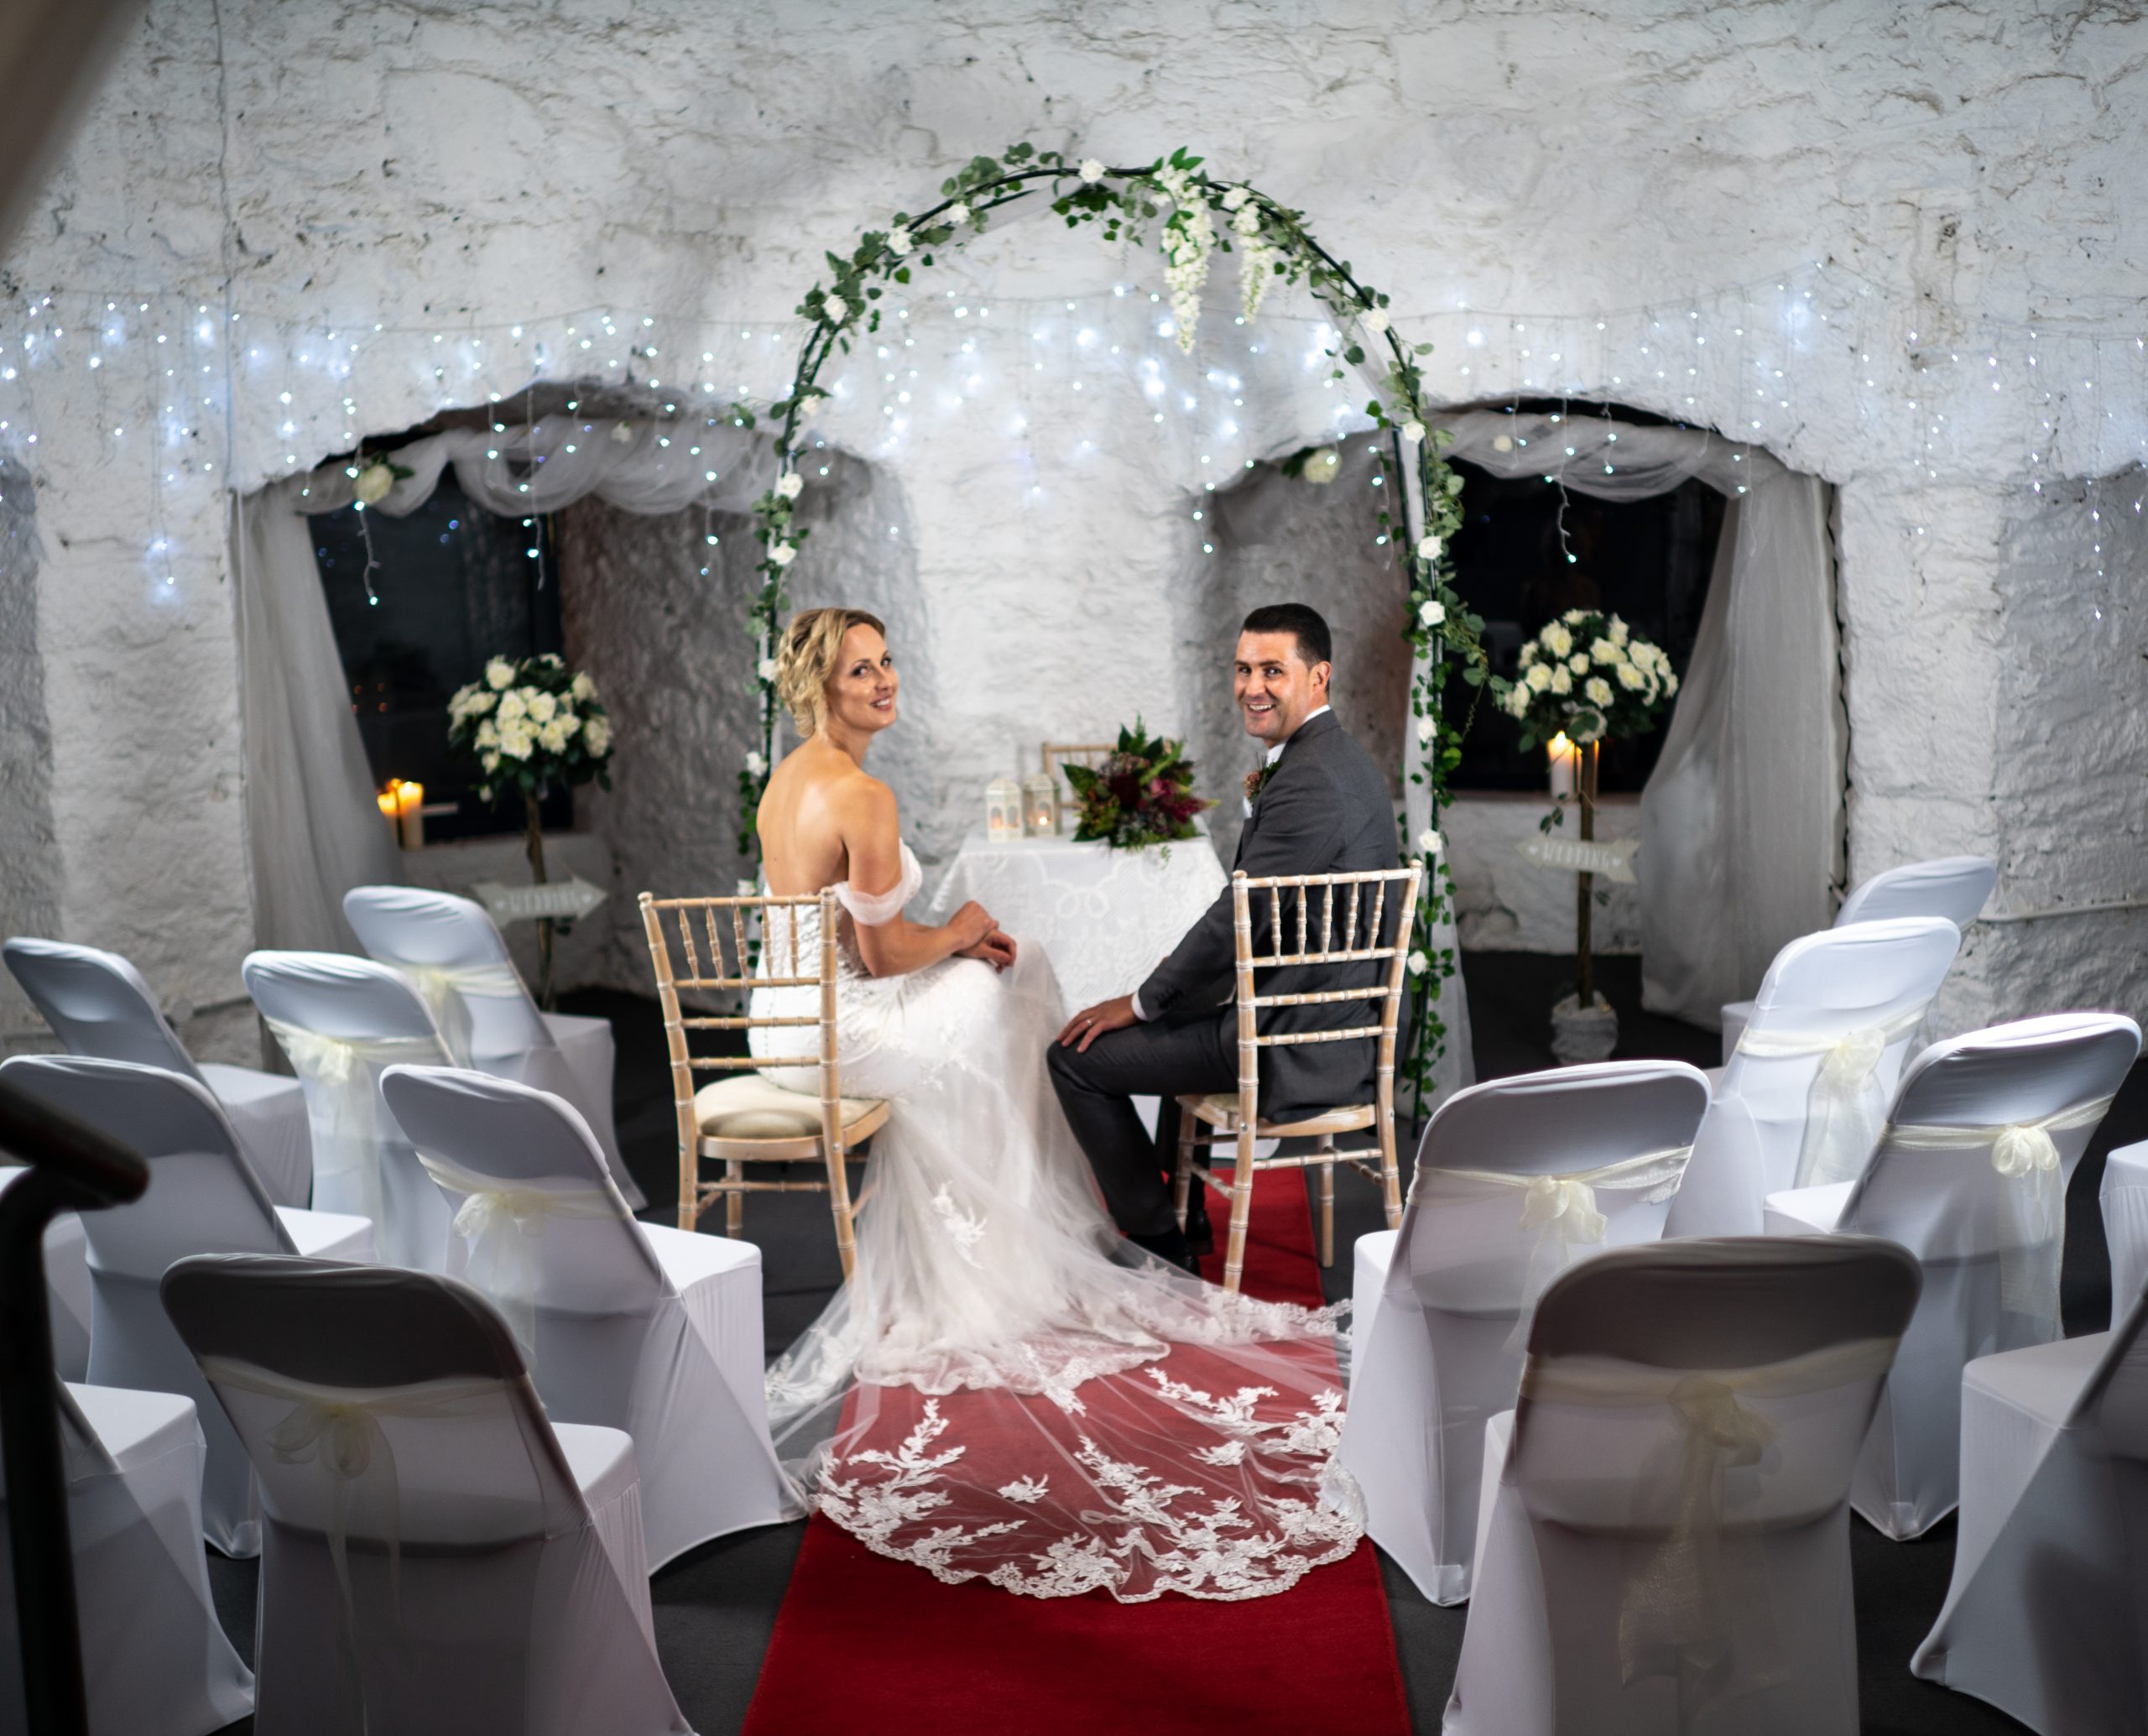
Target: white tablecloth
2124, 1201
1105, 918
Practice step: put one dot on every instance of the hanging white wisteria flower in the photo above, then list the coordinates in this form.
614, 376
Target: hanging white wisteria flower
1189, 238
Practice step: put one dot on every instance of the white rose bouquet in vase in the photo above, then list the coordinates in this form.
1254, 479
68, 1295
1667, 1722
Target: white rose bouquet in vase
1588, 677
534, 725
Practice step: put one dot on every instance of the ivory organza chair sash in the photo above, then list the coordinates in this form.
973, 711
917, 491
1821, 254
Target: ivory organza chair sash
1562, 1209
501, 1225
345, 1070
2026, 1154
1686, 1605
444, 988
1846, 1106
340, 1430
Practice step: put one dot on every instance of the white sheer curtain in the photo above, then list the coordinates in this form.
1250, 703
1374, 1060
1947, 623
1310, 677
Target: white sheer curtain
540, 466
1742, 821
313, 828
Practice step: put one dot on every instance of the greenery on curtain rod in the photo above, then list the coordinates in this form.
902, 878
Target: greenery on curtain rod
1189, 216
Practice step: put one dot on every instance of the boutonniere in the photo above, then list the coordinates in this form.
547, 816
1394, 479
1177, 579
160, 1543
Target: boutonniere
1255, 782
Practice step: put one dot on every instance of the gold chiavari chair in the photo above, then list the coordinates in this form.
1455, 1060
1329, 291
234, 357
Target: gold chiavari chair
1059, 754
1341, 920
744, 1117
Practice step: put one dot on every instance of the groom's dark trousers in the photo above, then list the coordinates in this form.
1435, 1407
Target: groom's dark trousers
1325, 809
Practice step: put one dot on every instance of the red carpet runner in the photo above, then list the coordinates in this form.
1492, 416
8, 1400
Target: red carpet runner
866, 1644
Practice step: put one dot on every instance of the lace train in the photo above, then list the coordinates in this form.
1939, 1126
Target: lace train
1007, 1390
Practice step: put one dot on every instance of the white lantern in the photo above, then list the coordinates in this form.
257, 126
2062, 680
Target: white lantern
1003, 810
1040, 805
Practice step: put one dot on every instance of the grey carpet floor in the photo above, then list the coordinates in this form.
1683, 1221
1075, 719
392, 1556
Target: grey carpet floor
716, 1608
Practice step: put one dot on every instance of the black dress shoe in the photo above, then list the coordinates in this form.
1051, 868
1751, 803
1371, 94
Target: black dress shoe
1170, 1247
1199, 1236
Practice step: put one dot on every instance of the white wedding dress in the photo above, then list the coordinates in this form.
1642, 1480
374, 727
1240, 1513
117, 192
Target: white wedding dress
1005, 1388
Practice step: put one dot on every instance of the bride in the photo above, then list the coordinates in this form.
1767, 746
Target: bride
1005, 1388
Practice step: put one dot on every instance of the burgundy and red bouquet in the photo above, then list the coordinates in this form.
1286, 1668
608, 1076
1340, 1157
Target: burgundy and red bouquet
1141, 794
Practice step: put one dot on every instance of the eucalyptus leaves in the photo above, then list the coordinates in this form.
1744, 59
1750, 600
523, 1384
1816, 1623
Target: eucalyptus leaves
1189, 216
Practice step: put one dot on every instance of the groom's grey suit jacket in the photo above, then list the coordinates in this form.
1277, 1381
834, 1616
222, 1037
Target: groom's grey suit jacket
1325, 809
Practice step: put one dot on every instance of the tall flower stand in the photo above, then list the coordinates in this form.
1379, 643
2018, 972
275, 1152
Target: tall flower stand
535, 846
1584, 1027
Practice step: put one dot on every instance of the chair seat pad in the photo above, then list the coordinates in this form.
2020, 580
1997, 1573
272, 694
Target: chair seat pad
1807, 1210
2043, 1380
749, 1106
1220, 1109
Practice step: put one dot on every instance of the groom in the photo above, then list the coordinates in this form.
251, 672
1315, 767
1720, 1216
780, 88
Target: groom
1319, 805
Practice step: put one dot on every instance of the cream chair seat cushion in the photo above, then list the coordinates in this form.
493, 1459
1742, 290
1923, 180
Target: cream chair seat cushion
1220, 1109
750, 1106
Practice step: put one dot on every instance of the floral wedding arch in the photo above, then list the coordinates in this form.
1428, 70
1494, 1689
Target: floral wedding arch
1172, 204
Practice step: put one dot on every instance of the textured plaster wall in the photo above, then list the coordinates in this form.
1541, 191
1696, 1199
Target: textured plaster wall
460, 166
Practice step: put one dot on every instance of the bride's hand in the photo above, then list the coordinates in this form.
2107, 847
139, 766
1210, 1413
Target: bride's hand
971, 926
996, 949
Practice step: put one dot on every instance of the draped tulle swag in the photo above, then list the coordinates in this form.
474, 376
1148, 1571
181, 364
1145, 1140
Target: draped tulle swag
1005, 1389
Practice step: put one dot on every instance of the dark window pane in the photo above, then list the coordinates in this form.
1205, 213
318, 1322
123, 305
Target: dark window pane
1647, 561
456, 585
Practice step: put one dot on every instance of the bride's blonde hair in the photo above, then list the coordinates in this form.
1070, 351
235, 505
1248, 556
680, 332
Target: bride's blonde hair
806, 660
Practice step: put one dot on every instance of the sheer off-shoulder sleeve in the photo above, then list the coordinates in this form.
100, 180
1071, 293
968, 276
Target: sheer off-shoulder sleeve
874, 909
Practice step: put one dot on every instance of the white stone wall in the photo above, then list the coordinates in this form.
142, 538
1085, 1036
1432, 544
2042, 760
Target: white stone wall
1966, 174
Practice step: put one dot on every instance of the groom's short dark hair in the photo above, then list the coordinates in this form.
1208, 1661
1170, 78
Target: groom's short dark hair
1315, 642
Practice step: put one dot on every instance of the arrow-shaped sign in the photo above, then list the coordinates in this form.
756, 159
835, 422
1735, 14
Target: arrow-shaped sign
563, 900
1614, 861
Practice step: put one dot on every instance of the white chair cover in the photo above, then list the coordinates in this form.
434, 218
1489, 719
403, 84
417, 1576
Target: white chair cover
342, 1021
452, 950
1955, 887
439, 1559
2045, 1616
1515, 1180
203, 1198
97, 1004
155, 1661
1668, 1550
2124, 1197
1803, 1099
1970, 1177
628, 1326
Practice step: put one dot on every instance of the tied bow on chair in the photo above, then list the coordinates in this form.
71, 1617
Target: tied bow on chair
2026, 1154
499, 1224
1563, 1212
446, 989
346, 1120
1845, 1107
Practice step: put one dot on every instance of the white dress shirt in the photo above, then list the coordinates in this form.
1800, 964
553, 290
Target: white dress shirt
1275, 754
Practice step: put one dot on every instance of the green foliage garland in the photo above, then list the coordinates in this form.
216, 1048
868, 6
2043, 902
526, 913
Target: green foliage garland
1173, 204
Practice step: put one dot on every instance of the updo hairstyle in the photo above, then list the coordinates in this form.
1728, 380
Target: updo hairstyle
806, 660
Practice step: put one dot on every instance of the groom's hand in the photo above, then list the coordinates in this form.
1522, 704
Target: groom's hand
1085, 1027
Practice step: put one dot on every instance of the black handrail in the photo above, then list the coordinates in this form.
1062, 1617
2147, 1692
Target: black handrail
72, 1168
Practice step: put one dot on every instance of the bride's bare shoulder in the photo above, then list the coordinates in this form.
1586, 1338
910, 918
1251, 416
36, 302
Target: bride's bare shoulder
831, 786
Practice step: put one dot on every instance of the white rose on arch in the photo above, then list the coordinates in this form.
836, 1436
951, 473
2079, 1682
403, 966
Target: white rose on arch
809, 405
1092, 170
958, 214
835, 308
1322, 467
373, 482
782, 554
1431, 612
1374, 319
755, 764
898, 241
767, 670
1427, 727
789, 485
1428, 548
1413, 431
1430, 843
1419, 964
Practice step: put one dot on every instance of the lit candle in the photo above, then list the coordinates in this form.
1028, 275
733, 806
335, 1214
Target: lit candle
1565, 767
410, 810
